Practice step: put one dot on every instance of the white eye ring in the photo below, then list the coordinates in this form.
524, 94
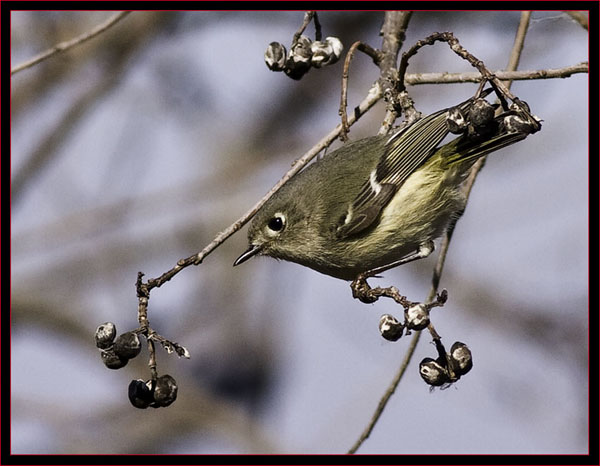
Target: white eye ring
276, 224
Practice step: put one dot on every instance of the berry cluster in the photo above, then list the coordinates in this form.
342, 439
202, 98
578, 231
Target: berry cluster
303, 54
480, 119
448, 367
116, 352
416, 317
155, 393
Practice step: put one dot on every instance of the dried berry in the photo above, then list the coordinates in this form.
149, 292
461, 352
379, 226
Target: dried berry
140, 393
105, 335
275, 56
127, 345
390, 328
433, 373
165, 391
417, 317
112, 360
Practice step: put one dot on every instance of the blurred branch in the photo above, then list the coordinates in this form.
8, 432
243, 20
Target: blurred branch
198, 413
515, 54
48, 147
388, 394
580, 17
64, 46
119, 55
393, 32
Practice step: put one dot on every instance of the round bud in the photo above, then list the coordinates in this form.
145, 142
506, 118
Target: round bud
432, 372
105, 335
325, 52
127, 345
524, 106
182, 351
390, 328
461, 358
298, 61
456, 121
140, 394
112, 360
296, 70
321, 53
481, 113
275, 56
165, 391
301, 50
336, 48
417, 317
516, 124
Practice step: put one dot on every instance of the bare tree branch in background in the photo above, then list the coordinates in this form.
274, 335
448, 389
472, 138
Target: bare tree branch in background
121, 50
64, 46
581, 17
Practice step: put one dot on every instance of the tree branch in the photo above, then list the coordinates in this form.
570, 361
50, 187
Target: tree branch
475, 77
388, 394
394, 33
64, 46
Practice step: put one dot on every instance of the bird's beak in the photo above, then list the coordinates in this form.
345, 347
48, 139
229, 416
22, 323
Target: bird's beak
252, 251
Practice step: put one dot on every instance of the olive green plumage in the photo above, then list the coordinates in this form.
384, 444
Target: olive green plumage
373, 201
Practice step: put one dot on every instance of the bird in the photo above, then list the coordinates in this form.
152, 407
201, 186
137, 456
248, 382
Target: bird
382, 201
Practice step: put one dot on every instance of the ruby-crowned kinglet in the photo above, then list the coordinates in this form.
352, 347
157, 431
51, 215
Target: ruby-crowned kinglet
380, 202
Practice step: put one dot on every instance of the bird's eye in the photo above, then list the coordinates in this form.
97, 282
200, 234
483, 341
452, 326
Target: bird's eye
277, 223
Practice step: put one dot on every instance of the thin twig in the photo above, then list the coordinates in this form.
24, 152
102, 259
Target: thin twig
308, 17
376, 56
502, 91
64, 46
475, 77
454, 45
388, 394
435, 282
317, 27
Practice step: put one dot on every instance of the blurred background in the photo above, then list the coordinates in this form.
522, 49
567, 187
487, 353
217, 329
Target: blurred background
136, 148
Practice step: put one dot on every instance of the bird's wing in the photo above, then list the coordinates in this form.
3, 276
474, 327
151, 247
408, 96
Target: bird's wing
404, 152
464, 148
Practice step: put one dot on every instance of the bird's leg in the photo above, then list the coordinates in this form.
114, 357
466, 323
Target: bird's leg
364, 293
